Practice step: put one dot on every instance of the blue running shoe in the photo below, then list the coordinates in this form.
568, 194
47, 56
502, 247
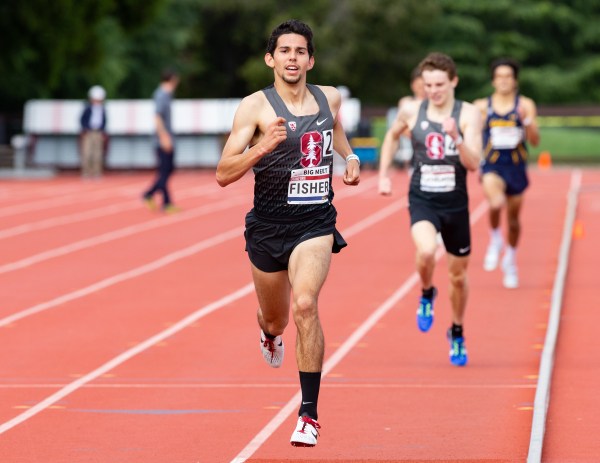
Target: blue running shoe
458, 351
425, 312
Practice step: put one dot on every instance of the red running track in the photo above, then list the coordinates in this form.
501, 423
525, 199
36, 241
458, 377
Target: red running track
130, 336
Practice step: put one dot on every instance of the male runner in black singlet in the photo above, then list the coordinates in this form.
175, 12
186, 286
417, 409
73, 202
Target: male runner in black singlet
291, 129
446, 138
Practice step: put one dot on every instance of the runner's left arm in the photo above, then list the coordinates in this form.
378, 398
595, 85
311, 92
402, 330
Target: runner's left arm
528, 113
340, 140
470, 145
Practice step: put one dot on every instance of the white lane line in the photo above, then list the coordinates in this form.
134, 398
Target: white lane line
138, 228
64, 185
82, 196
56, 188
341, 352
359, 189
542, 394
77, 384
67, 219
122, 233
293, 385
128, 354
168, 259
92, 214
134, 273
103, 191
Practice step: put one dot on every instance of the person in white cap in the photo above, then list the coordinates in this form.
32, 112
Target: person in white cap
93, 133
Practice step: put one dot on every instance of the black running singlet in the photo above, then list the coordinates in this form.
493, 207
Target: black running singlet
294, 180
439, 179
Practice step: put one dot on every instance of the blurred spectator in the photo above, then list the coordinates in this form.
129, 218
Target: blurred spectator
163, 140
93, 133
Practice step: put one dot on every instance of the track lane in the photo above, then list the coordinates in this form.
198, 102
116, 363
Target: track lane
44, 202
455, 410
91, 219
572, 419
237, 252
359, 260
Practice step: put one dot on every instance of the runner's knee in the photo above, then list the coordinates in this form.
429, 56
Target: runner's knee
272, 324
305, 307
496, 201
458, 279
514, 225
426, 256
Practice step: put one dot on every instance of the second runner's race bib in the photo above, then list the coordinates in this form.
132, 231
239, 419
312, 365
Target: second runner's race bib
437, 178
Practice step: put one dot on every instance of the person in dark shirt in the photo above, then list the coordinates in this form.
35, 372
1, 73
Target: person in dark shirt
164, 141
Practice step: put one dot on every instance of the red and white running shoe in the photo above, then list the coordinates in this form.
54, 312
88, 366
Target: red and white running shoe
272, 350
306, 432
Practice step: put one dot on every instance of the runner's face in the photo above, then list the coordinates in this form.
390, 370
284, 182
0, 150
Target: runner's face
290, 60
438, 86
504, 81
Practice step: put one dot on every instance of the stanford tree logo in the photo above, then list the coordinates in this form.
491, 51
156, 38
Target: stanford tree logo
311, 148
435, 145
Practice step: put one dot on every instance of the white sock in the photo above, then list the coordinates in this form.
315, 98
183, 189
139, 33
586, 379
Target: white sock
496, 235
510, 255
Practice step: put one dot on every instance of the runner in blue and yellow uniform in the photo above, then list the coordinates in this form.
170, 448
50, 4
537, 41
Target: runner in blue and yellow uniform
287, 134
510, 122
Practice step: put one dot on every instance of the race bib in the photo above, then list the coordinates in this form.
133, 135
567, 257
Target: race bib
506, 137
437, 179
309, 186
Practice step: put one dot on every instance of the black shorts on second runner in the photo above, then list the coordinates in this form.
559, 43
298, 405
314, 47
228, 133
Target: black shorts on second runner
453, 226
270, 243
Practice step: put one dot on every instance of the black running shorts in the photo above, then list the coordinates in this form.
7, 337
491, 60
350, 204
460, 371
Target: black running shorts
453, 226
270, 242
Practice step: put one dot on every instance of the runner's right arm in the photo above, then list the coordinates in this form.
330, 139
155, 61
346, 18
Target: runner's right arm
235, 159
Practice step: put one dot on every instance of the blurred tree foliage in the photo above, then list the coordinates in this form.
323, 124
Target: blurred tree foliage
556, 41
59, 49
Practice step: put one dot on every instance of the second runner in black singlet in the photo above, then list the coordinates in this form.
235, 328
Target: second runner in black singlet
438, 185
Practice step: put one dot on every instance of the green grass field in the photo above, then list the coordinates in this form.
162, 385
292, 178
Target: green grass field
569, 144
